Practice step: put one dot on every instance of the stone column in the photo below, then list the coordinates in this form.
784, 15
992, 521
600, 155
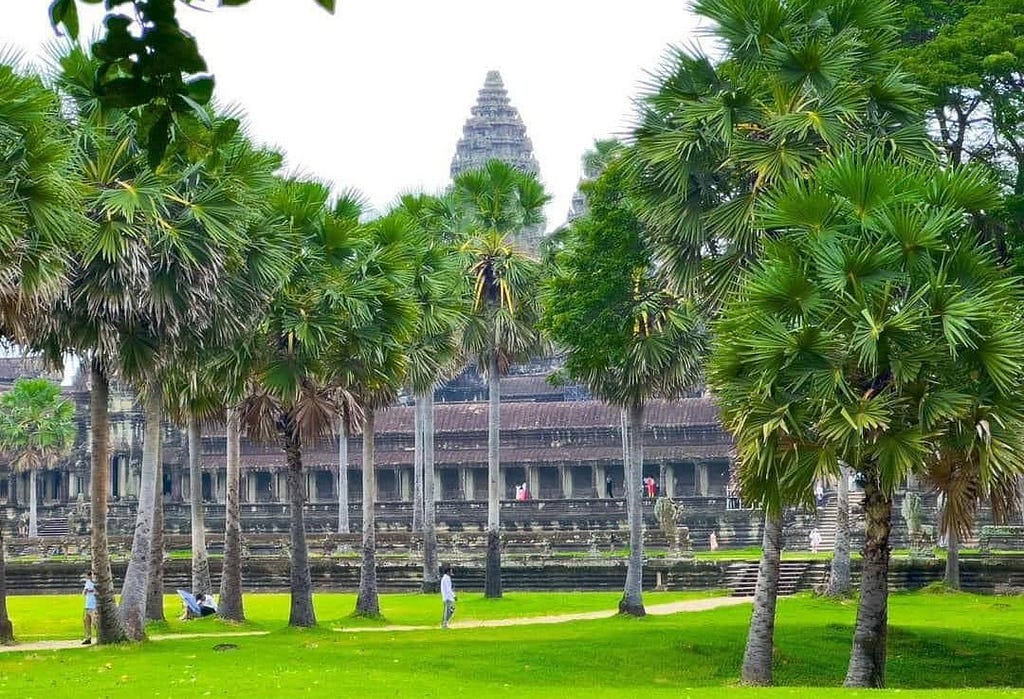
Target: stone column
533, 480
566, 477
124, 474
12, 488
702, 479
438, 495
405, 484
668, 482
466, 481
598, 477
176, 478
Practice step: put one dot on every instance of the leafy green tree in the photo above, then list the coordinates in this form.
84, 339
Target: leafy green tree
493, 204
37, 427
147, 60
875, 328
968, 55
628, 336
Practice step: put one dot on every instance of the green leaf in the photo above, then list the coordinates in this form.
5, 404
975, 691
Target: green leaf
65, 12
200, 89
326, 4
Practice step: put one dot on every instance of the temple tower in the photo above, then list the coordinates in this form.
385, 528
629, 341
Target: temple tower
494, 129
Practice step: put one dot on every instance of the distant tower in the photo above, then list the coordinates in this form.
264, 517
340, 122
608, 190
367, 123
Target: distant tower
495, 130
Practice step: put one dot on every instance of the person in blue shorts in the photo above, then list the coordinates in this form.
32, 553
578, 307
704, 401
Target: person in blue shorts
89, 620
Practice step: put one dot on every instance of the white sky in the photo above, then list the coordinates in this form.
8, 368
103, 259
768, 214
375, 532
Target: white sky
375, 96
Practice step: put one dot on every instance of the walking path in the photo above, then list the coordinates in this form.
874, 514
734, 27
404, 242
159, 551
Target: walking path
693, 605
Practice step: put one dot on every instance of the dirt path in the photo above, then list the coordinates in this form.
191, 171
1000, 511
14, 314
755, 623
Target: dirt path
693, 605
66, 645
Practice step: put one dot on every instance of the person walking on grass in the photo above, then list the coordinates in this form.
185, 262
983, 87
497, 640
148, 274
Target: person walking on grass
89, 620
447, 596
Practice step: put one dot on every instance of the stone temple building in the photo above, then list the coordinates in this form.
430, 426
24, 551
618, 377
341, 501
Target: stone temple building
494, 130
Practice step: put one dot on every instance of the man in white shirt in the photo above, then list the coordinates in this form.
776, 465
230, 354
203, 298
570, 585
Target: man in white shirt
89, 620
447, 595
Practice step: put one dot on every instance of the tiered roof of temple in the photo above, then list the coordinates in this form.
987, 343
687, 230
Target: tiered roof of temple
495, 130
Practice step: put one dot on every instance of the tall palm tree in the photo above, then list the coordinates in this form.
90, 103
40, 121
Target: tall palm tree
149, 282
37, 427
875, 328
628, 336
494, 203
440, 291
377, 364
795, 83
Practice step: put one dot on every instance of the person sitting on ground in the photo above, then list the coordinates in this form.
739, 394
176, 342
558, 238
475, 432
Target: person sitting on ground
207, 607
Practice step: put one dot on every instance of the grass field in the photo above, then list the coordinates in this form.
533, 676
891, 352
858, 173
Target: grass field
940, 644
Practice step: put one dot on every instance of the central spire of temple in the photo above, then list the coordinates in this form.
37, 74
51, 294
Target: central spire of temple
494, 130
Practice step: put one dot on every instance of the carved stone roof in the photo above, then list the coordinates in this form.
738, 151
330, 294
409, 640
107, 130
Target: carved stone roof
495, 130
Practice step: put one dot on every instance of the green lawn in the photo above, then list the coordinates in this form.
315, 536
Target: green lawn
939, 645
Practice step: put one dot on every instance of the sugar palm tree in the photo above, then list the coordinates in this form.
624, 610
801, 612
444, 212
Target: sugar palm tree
377, 364
321, 322
40, 205
874, 330
795, 81
628, 336
148, 283
440, 292
494, 203
37, 427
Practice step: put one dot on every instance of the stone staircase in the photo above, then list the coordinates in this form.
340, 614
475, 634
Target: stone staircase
53, 527
794, 576
825, 519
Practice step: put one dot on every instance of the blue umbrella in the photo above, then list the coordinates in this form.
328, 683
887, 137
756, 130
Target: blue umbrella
192, 602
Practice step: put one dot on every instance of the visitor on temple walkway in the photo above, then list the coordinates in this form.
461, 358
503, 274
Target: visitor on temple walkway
815, 540
526, 492
713, 541
89, 620
608, 486
519, 493
819, 493
447, 596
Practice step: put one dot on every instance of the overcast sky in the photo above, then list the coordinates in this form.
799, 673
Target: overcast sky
375, 96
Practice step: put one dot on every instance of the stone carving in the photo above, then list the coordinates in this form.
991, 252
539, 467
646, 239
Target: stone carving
922, 542
669, 516
78, 517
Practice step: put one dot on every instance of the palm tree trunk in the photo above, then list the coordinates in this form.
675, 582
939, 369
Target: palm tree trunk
6, 627
367, 603
302, 613
431, 579
200, 560
111, 628
953, 560
344, 527
492, 577
839, 576
230, 606
757, 658
867, 659
632, 601
136, 578
33, 496
155, 590
417, 467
